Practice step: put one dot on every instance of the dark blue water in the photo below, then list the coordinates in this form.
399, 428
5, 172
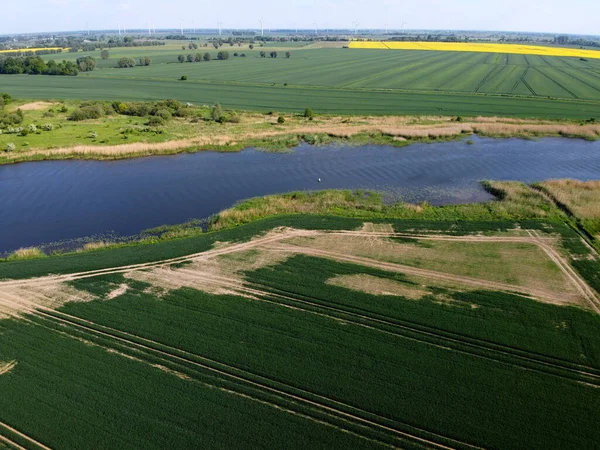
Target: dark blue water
52, 201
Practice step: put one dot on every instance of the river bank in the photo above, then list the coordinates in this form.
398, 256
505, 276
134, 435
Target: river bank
51, 134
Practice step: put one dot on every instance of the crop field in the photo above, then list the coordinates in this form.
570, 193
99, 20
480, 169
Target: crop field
341, 81
479, 47
327, 332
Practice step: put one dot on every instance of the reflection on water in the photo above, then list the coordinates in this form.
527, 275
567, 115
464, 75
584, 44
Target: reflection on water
56, 200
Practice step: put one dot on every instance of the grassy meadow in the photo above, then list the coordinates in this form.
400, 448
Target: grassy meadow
131, 129
340, 81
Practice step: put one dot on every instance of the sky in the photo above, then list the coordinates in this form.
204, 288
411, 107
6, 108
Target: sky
554, 16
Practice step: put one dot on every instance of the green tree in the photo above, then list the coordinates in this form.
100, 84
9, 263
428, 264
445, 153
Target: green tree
223, 56
216, 113
145, 61
207, 56
281, 120
181, 58
288, 55
125, 63
308, 113
263, 54
251, 47
190, 58
273, 54
104, 54
86, 64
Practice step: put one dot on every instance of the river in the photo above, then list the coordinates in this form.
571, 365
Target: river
43, 202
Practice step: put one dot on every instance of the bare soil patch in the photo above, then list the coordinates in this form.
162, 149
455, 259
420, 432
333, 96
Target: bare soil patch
378, 286
22, 299
369, 227
521, 264
117, 292
6, 367
36, 106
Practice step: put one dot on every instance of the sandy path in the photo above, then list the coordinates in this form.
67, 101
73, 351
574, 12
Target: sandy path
10, 443
7, 367
569, 272
35, 443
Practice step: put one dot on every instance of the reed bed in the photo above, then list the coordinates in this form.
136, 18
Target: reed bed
26, 253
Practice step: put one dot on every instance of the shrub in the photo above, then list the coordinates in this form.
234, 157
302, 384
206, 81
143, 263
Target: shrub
12, 119
183, 78
48, 114
93, 135
308, 113
145, 61
10, 147
223, 56
216, 113
164, 114
235, 118
87, 113
24, 132
207, 56
32, 128
48, 127
281, 120
125, 63
181, 58
155, 121
104, 54
63, 109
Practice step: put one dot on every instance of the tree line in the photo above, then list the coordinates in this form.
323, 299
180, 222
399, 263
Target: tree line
34, 65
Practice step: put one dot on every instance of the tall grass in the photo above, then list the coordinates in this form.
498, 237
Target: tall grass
26, 253
515, 201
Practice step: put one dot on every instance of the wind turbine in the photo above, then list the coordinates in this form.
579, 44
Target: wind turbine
181, 25
149, 29
262, 28
219, 24
316, 28
119, 28
355, 27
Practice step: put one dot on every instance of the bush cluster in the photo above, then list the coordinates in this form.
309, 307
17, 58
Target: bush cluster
34, 65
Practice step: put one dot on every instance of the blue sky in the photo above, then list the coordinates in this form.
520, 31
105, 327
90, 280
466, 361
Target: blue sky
558, 16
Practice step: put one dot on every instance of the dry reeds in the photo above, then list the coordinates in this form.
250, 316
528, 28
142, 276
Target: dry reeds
581, 197
26, 253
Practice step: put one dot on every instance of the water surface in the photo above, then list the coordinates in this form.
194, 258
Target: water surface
52, 201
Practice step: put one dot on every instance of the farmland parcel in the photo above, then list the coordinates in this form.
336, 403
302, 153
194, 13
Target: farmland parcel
304, 331
343, 81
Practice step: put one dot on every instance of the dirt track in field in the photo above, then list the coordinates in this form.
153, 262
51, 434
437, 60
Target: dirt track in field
32, 442
7, 367
22, 296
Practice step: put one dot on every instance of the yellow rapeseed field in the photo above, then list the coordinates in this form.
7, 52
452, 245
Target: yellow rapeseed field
23, 50
479, 47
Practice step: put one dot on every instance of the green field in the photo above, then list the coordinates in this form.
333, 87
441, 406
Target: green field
288, 360
345, 81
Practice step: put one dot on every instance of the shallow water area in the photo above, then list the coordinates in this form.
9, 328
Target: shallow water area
54, 201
